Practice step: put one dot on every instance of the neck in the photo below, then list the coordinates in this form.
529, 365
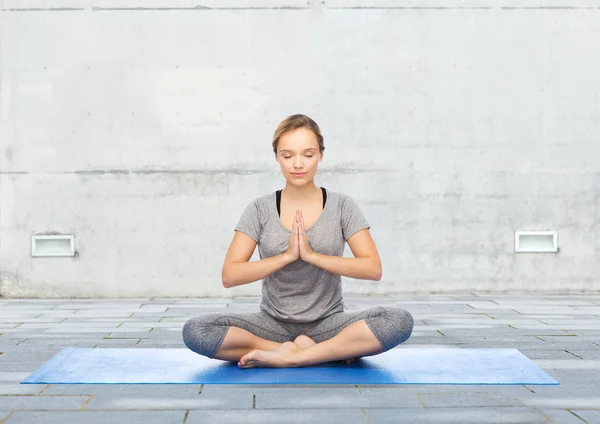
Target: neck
301, 193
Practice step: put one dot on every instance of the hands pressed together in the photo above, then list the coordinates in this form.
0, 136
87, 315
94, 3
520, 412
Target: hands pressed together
298, 244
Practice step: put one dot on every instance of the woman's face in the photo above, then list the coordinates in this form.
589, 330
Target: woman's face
298, 153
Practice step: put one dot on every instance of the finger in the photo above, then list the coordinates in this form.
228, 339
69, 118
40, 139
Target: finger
294, 225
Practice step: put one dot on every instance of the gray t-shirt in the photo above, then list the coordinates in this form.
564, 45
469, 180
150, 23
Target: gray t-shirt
301, 292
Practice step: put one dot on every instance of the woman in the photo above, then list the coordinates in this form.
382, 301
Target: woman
300, 232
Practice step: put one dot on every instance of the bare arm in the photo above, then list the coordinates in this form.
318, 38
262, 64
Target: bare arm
366, 265
237, 270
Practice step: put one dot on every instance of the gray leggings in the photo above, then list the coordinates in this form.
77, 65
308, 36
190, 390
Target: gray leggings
204, 334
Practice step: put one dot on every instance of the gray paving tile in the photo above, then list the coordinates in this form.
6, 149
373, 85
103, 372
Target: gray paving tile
20, 389
547, 354
288, 416
46, 337
569, 364
166, 344
133, 390
583, 401
510, 415
470, 399
508, 391
144, 335
19, 366
59, 343
98, 417
13, 376
47, 403
111, 402
330, 398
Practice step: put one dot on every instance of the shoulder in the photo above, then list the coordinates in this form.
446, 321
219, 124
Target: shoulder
262, 203
341, 199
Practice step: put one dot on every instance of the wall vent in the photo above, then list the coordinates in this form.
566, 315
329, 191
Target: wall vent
52, 245
536, 241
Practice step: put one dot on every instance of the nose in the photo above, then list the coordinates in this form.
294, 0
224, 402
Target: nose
298, 162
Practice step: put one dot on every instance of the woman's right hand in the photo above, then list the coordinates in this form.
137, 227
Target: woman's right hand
293, 251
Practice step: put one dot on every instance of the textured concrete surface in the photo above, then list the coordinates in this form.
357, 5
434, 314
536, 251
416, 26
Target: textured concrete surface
544, 328
143, 127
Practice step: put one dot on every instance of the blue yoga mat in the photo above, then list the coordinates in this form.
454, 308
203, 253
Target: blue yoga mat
396, 366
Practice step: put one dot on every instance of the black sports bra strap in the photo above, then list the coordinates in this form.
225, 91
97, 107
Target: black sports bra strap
278, 194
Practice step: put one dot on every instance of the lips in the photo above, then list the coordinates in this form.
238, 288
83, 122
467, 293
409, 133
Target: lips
299, 174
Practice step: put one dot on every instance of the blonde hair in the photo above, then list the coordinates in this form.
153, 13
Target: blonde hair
294, 122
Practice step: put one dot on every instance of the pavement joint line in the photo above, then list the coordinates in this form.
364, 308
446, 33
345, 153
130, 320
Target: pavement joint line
138, 342
538, 337
573, 354
63, 320
3, 420
568, 410
547, 418
185, 417
541, 321
201, 387
441, 333
468, 306
254, 401
357, 388
42, 391
365, 415
86, 402
512, 326
517, 311
421, 400
529, 388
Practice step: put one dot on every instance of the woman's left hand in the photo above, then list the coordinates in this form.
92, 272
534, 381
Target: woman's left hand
305, 251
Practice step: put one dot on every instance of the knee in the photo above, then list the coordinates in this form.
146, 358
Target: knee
202, 335
404, 323
400, 322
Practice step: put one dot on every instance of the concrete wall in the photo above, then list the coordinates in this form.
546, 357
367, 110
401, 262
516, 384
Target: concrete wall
144, 127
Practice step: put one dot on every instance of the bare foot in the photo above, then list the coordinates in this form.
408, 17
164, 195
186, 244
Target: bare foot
279, 358
304, 341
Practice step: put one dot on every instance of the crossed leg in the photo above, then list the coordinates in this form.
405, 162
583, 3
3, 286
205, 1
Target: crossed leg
356, 340
238, 340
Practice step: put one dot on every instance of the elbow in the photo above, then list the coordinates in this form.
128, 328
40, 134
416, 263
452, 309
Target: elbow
378, 273
225, 279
